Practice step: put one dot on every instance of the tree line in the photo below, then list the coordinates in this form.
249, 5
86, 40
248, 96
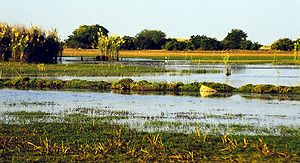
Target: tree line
85, 37
19, 43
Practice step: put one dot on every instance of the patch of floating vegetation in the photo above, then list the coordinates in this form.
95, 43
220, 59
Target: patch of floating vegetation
80, 137
127, 84
26, 104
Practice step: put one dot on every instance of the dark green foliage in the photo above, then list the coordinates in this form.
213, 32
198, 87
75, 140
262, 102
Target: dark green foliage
128, 43
234, 39
173, 44
284, 44
249, 45
86, 36
150, 39
205, 43
191, 87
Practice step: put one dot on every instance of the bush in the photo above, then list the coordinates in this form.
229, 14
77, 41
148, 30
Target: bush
284, 44
19, 43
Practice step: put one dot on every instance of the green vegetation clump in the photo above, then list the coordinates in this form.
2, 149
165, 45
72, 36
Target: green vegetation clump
127, 84
220, 87
123, 84
270, 89
18, 43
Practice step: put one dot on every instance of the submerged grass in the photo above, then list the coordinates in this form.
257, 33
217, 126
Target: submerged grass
83, 138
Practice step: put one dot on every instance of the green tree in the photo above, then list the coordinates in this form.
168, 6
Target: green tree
234, 39
128, 43
249, 45
86, 36
205, 43
284, 44
174, 44
150, 39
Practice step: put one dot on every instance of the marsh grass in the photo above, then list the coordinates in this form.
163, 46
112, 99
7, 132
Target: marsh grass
83, 138
15, 69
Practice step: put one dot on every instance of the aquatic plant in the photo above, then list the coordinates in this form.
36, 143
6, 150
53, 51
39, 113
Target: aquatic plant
109, 46
77, 137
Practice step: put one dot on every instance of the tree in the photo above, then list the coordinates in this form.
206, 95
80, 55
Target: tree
205, 43
150, 39
234, 39
174, 44
284, 44
86, 36
249, 45
128, 43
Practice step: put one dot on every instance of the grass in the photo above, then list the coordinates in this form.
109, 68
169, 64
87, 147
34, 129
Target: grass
78, 137
11, 69
275, 57
127, 85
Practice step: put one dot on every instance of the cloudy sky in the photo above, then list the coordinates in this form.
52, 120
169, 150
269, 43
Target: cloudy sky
263, 20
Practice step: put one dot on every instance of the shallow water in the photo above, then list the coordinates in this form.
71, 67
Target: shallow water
218, 110
241, 75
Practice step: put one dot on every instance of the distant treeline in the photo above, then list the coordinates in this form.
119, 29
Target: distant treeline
18, 43
85, 37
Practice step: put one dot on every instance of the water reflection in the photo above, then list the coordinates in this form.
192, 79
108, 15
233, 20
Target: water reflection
260, 110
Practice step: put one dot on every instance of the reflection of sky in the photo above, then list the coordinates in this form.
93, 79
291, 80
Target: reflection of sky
255, 111
241, 75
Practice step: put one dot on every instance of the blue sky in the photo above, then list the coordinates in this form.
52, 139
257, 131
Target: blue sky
263, 20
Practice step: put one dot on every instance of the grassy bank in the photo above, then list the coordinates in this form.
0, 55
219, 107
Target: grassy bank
40, 136
127, 85
276, 57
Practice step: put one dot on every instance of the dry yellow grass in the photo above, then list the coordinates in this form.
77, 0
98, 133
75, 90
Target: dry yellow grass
162, 53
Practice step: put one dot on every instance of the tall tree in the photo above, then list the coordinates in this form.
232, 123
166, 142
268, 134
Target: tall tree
234, 39
205, 43
150, 39
128, 43
284, 44
86, 36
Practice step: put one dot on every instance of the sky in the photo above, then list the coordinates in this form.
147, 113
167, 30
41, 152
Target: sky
263, 20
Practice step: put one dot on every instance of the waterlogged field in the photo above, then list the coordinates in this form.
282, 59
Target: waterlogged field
93, 126
110, 124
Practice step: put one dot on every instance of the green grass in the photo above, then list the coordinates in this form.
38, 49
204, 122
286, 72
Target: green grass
110, 69
77, 137
15, 69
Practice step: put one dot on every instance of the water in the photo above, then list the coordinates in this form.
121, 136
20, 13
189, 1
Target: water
218, 110
241, 75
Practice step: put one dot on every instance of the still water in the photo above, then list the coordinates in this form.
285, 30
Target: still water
240, 109
287, 75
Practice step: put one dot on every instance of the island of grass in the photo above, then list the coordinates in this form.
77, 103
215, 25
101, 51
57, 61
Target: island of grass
127, 85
